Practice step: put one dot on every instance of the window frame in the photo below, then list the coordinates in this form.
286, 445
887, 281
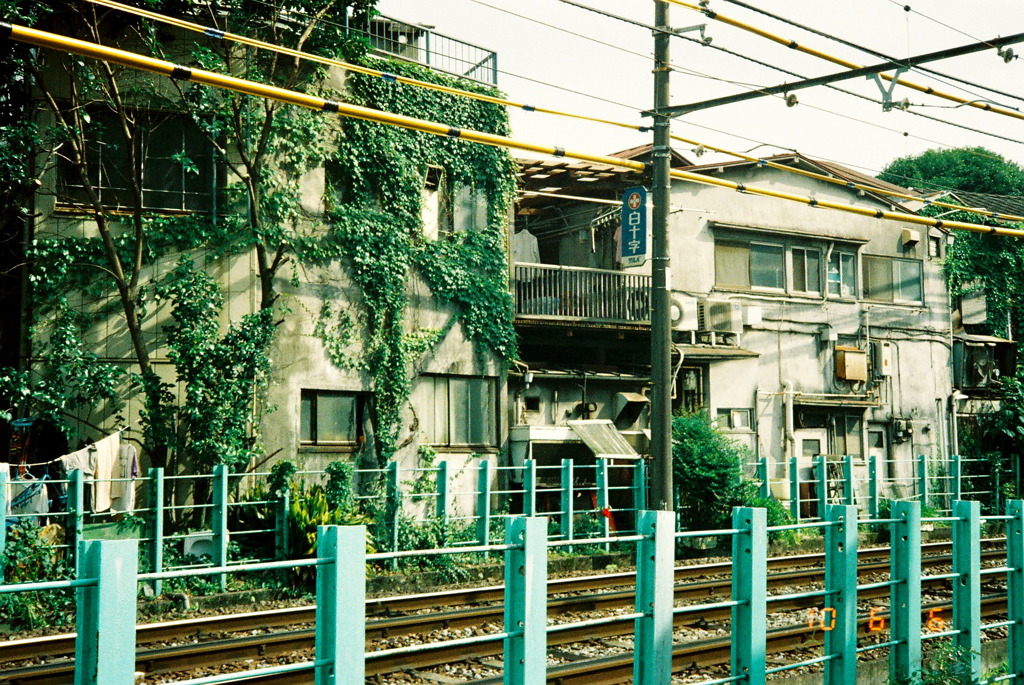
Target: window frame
854, 272
106, 160
449, 438
894, 279
312, 441
787, 247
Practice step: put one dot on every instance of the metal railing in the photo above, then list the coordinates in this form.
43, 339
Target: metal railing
107, 589
583, 501
421, 44
571, 292
871, 483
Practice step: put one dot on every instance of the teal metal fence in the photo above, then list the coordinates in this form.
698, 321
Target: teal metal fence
813, 483
107, 589
219, 519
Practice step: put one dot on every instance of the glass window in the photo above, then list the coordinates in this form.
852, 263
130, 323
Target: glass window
842, 274
806, 270
767, 266
732, 264
457, 410
329, 418
170, 158
893, 280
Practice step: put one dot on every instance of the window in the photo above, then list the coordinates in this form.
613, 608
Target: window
328, 418
806, 270
767, 266
734, 419
174, 164
457, 410
842, 274
892, 280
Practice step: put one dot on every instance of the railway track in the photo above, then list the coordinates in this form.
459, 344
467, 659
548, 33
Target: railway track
216, 650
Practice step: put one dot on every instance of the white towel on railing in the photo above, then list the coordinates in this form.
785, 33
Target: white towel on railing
106, 450
126, 470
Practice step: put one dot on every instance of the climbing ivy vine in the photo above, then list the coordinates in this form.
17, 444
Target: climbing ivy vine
376, 178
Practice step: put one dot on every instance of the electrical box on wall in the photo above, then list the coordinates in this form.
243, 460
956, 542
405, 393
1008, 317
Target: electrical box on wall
851, 364
883, 358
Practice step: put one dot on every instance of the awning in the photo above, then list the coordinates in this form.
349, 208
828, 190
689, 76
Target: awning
603, 439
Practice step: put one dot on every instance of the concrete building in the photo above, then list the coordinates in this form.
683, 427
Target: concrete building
801, 331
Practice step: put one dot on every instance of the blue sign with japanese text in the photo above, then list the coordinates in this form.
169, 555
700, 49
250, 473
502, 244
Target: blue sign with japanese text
633, 249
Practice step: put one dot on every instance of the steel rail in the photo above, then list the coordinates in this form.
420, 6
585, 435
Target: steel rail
214, 652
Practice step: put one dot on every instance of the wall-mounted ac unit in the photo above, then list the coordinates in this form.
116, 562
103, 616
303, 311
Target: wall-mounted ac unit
723, 315
979, 362
683, 312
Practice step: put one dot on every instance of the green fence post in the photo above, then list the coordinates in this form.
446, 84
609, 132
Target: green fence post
105, 616
821, 469
905, 594
967, 586
794, 489
283, 508
655, 578
922, 480
849, 492
4, 499
341, 605
393, 503
764, 477
750, 590
1015, 586
956, 478
873, 486
76, 517
156, 525
604, 501
566, 499
530, 488
219, 522
526, 614
639, 486
483, 502
443, 493
841, 581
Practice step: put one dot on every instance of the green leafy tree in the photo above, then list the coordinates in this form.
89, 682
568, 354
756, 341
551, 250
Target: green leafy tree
973, 169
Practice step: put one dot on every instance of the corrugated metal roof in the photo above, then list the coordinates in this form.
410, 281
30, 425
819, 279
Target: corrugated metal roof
604, 440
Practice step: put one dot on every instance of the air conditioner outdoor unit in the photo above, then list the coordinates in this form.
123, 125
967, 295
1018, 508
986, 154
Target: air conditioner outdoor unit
723, 315
683, 312
981, 367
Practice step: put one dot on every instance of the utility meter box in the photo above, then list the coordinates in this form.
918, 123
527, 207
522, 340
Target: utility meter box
851, 364
883, 358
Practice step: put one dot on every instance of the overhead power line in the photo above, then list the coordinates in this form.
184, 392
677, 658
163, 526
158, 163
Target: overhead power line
224, 35
869, 51
82, 48
928, 90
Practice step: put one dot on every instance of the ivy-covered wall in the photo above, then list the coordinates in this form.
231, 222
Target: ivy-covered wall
383, 295
322, 266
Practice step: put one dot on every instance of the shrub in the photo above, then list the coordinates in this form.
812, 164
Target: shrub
707, 471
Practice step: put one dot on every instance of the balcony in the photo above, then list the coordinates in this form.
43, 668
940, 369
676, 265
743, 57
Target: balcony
421, 44
570, 293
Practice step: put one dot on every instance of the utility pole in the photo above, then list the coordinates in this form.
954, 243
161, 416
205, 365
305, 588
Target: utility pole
661, 279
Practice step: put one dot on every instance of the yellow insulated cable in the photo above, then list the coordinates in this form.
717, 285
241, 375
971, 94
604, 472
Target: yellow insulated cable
100, 52
711, 14
253, 42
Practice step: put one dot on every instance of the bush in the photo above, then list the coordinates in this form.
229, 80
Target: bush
31, 554
707, 471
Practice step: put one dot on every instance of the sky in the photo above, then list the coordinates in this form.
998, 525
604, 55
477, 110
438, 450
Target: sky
557, 55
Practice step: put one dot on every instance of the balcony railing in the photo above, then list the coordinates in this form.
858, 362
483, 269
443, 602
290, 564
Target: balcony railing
420, 44
546, 291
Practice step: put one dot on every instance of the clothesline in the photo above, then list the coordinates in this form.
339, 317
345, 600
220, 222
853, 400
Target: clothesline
91, 448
